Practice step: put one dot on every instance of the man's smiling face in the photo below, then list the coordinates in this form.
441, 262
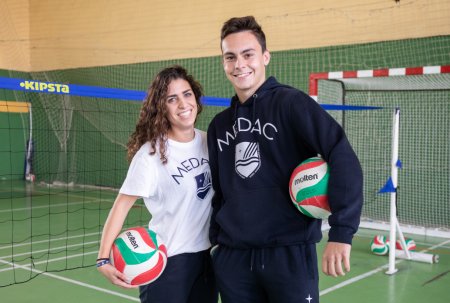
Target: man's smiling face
244, 63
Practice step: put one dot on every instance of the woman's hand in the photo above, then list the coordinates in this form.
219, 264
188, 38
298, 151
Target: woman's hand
115, 276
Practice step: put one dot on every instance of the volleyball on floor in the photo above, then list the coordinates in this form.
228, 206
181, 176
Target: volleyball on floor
410, 244
139, 254
308, 188
379, 245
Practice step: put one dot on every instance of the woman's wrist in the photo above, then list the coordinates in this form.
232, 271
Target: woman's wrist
102, 261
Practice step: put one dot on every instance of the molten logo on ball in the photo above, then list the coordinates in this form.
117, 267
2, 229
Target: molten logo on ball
139, 253
308, 188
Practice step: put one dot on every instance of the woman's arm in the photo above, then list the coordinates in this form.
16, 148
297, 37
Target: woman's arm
111, 230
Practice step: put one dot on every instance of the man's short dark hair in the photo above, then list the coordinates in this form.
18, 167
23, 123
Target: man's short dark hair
241, 24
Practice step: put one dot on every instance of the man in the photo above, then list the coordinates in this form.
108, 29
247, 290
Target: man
265, 250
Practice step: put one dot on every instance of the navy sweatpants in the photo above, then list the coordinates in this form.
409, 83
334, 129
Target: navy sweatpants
286, 274
187, 278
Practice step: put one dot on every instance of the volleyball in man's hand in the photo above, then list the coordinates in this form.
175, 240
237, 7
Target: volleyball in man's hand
140, 254
308, 188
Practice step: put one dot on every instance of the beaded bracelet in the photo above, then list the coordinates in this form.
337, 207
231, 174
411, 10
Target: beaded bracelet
103, 262
102, 259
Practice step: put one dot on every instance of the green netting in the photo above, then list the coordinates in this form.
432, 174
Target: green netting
80, 146
88, 135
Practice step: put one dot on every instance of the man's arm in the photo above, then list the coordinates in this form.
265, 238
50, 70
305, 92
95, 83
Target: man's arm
216, 202
345, 196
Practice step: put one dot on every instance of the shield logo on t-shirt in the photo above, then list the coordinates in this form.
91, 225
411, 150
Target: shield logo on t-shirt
203, 184
247, 159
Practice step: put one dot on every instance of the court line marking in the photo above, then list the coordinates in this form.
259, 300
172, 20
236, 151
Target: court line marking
372, 272
76, 282
54, 205
94, 200
64, 192
49, 240
51, 249
51, 260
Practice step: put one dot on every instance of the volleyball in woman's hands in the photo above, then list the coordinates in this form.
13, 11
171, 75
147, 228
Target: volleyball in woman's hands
139, 254
308, 188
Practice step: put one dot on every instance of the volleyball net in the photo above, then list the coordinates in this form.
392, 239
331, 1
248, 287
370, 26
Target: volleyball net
80, 132
70, 143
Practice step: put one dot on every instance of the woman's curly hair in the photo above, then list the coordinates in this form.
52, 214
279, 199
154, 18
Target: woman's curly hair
153, 125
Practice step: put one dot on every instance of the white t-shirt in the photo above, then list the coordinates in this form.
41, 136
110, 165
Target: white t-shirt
177, 194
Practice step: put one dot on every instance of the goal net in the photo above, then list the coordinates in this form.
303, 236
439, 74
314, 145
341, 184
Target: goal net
423, 194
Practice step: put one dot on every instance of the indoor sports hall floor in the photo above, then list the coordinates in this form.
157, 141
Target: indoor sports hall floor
367, 282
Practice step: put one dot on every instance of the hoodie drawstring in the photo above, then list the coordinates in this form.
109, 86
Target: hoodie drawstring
262, 258
254, 108
253, 253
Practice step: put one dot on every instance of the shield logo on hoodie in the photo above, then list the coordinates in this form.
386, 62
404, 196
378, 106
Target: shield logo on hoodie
247, 159
203, 184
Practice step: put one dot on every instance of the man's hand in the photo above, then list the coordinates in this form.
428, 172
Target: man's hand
333, 256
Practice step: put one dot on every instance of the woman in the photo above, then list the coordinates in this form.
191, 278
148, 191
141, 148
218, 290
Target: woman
169, 169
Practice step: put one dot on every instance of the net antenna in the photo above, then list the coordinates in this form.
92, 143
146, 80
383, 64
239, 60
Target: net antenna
395, 164
391, 187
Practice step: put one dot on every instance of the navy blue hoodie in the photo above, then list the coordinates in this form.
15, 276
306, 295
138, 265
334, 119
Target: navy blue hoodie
253, 149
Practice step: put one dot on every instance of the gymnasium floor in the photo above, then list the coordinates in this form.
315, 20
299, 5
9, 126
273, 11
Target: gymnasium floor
367, 282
